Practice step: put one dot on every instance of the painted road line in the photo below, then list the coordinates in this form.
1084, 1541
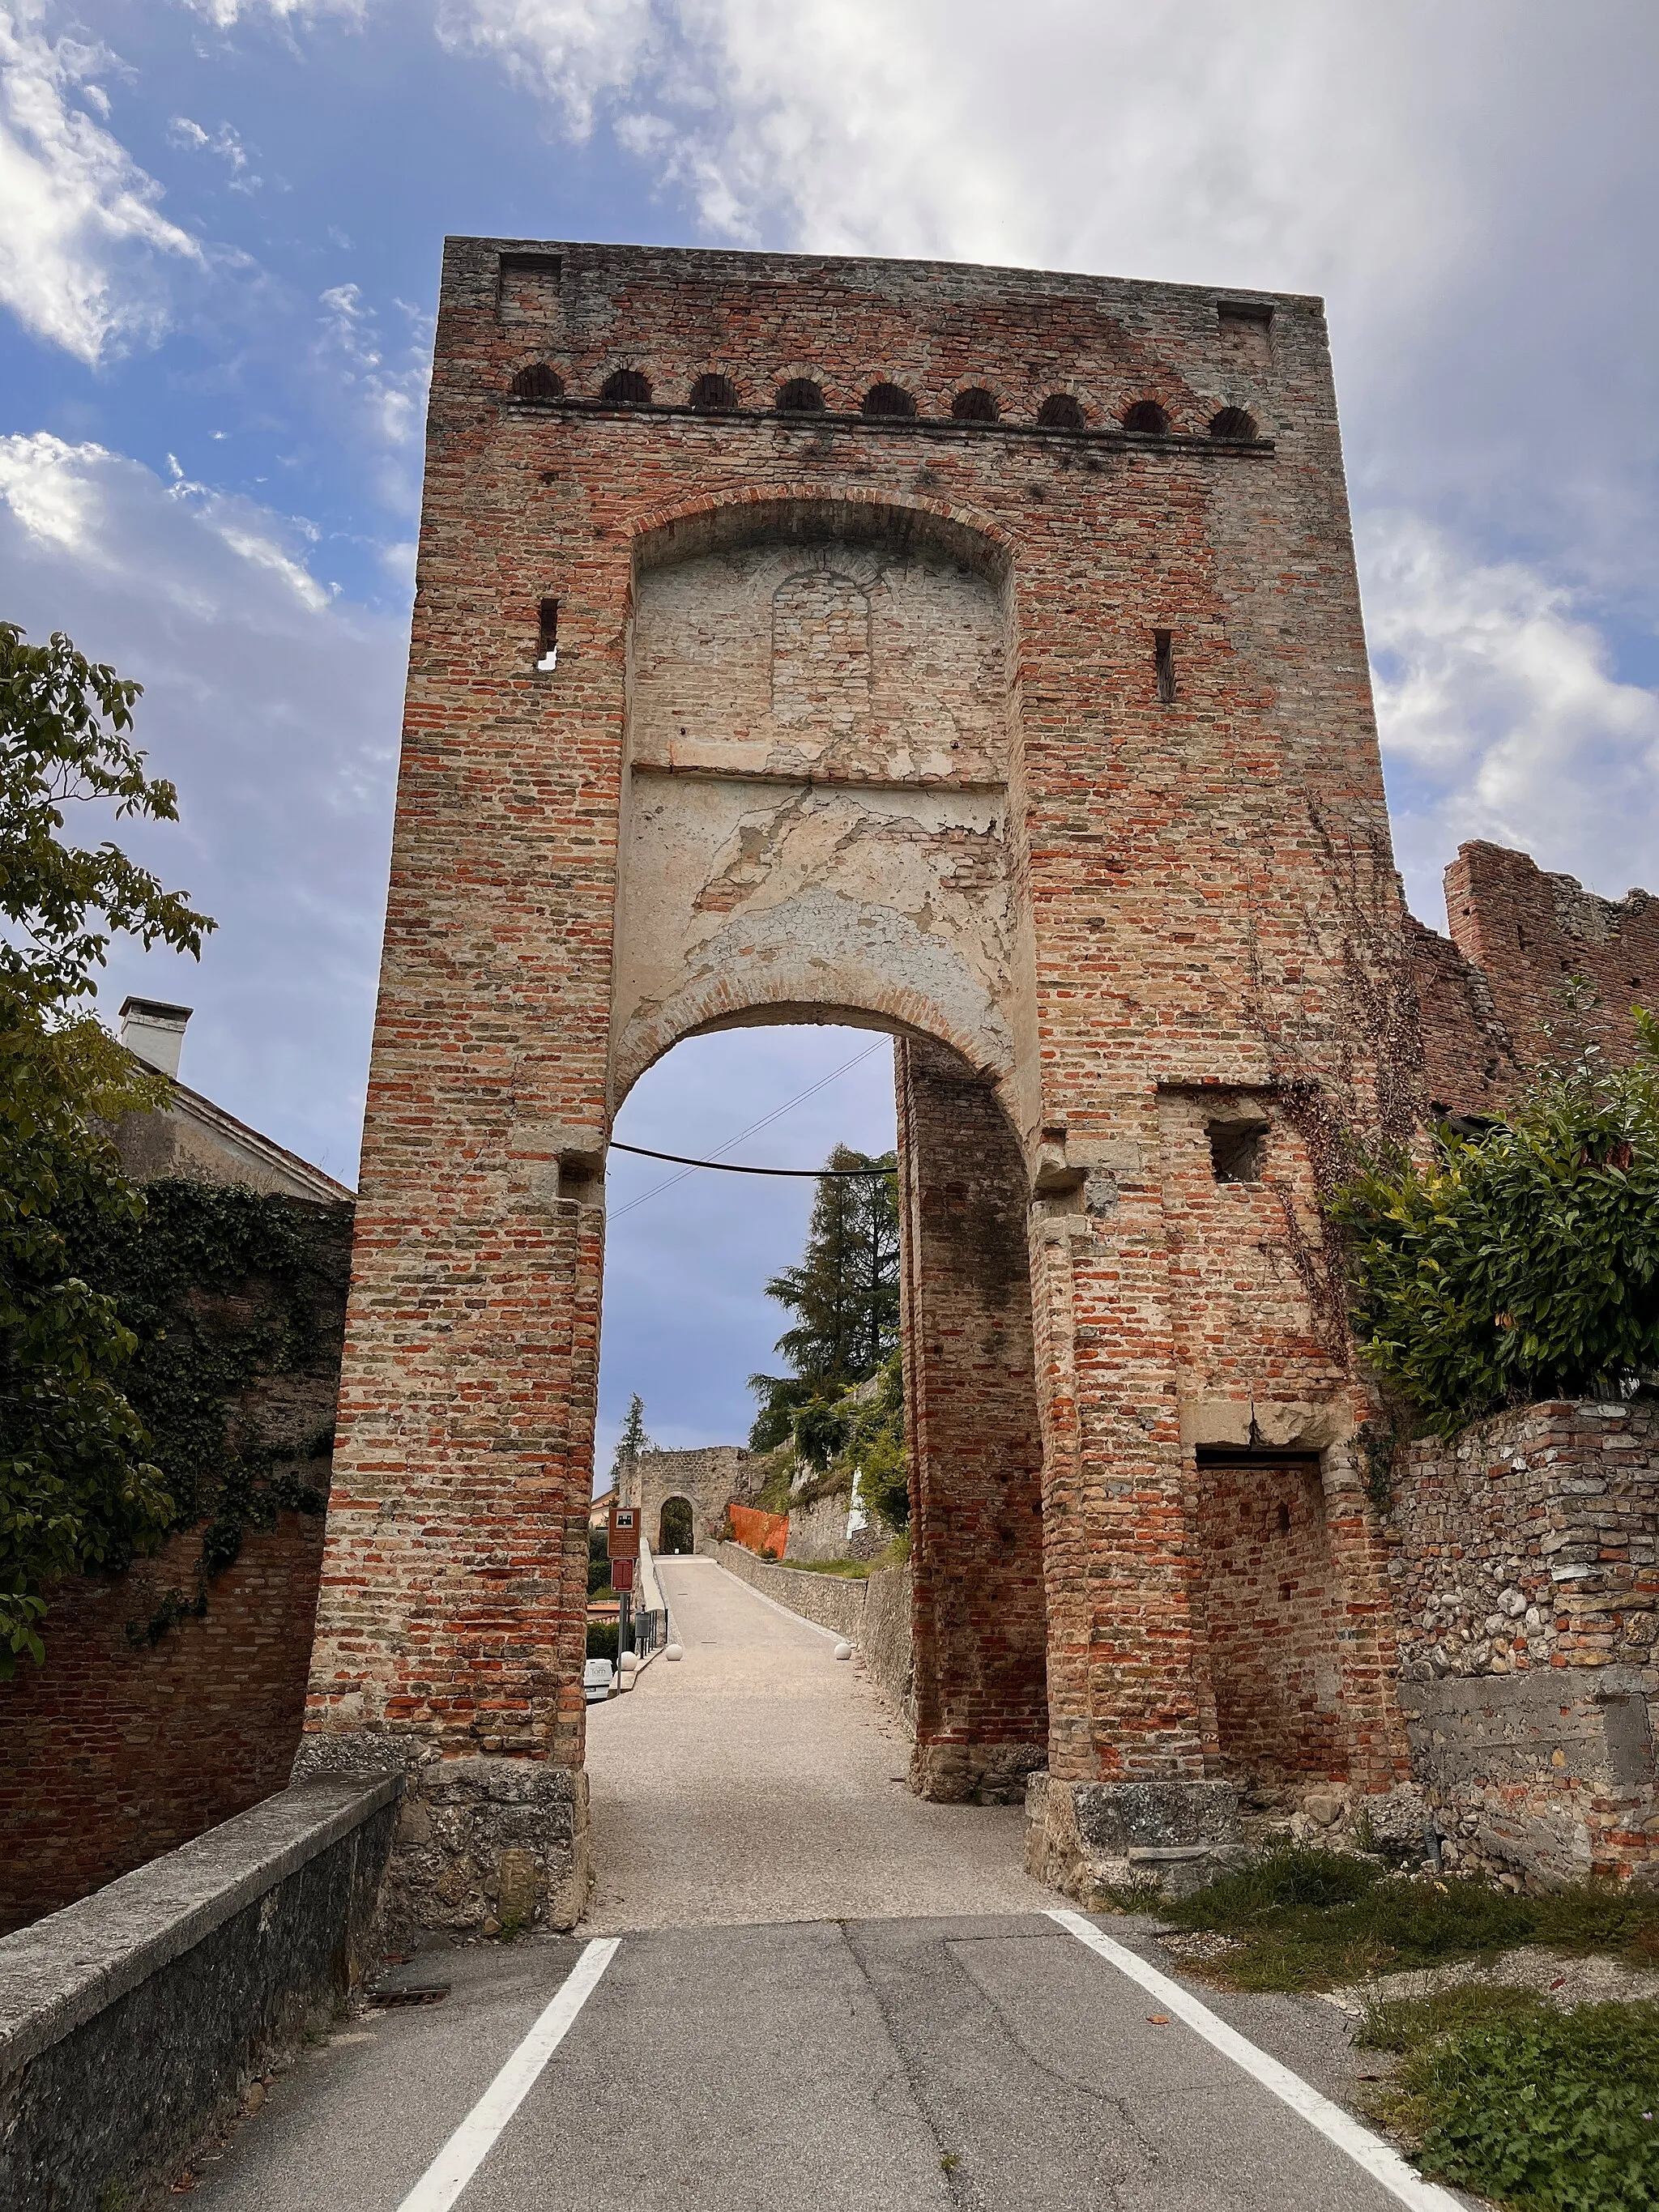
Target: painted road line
1380, 2159
473, 2140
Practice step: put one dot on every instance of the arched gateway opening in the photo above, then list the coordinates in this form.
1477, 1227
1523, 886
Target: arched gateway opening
676, 1526
818, 735
863, 719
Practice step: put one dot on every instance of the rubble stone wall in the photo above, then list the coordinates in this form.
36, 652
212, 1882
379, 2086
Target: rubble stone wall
709, 1478
1526, 1579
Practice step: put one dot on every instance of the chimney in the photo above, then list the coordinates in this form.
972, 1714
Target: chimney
154, 1033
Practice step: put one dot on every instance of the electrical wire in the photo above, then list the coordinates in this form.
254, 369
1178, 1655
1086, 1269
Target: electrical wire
753, 1129
730, 1167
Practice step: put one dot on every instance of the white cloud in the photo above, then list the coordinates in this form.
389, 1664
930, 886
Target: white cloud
572, 52
1501, 715
226, 14
83, 244
351, 342
274, 707
225, 143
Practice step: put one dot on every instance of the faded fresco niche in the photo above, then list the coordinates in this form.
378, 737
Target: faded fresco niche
832, 657
817, 748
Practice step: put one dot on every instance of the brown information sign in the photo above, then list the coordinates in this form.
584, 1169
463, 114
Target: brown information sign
624, 1533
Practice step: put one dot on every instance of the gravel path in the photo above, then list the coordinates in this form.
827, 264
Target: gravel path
761, 1779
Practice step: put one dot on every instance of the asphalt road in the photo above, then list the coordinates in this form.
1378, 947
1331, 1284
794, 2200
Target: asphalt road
814, 1993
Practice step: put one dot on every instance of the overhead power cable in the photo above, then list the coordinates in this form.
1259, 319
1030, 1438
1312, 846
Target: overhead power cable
755, 1127
730, 1167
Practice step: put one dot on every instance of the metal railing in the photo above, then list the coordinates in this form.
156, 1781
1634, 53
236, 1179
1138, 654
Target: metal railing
645, 1631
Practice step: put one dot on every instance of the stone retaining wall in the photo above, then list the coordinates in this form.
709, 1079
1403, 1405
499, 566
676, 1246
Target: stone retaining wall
1526, 1577
132, 2023
873, 1615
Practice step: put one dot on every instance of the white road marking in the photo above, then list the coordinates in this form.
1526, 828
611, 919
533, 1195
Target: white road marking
1380, 2159
473, 2140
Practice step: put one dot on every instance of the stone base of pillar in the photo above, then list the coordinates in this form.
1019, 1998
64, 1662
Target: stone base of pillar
1088, 1839
484, 1846
975, 1773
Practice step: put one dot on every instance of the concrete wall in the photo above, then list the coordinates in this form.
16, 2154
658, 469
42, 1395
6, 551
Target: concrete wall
132, 2023
1526, 1577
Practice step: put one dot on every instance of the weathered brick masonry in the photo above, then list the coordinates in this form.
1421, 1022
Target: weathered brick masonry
1537, 968
119, 1749
953, 705
173, 1693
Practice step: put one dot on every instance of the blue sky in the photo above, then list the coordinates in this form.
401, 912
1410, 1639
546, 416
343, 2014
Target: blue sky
218, 260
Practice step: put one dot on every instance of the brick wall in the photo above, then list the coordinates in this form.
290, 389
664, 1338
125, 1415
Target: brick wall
172, 1698
1536, 968
1271, 1608
960, 806
1526, 1579
974, 1439
115, 1751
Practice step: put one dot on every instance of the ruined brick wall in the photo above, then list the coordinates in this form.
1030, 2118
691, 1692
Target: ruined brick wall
1536, 968
119, 1749
1526, 1579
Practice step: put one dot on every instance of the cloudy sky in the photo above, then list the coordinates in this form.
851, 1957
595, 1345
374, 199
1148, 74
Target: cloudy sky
218, 262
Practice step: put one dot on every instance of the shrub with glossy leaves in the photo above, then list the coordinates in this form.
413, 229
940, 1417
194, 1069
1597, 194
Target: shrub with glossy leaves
1521, 1262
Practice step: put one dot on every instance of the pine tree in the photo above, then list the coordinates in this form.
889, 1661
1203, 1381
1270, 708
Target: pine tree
629, 1444
845, 1294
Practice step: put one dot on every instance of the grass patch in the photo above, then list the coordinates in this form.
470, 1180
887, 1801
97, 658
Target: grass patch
1313, 1919
850, 1570
1545, 2111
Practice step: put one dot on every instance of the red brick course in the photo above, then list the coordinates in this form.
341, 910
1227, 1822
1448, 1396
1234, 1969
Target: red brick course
117, 1751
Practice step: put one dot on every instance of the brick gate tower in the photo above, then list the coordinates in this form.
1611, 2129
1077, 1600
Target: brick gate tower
974, 655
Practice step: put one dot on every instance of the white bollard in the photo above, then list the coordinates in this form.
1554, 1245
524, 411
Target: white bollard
672, 1651
844, 1651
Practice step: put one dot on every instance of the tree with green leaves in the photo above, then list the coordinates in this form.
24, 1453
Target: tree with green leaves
76, 1491
629, 1444
844, 1294
1521, 1262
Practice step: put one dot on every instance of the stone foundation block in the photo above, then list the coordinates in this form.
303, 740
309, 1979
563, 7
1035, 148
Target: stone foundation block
1086, 1838
1548, 1774
975, 1773
484, 1846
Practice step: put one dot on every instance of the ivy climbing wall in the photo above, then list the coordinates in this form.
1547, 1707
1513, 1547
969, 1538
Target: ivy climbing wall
173, 1690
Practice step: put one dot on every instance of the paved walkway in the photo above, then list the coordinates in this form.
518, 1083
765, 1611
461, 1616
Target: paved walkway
829, 1998
762, 1779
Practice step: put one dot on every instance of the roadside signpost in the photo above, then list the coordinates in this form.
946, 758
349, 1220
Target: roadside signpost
623, 1543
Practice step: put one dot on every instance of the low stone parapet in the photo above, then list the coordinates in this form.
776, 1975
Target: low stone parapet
834, 1601
132, 2023
871, 1612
